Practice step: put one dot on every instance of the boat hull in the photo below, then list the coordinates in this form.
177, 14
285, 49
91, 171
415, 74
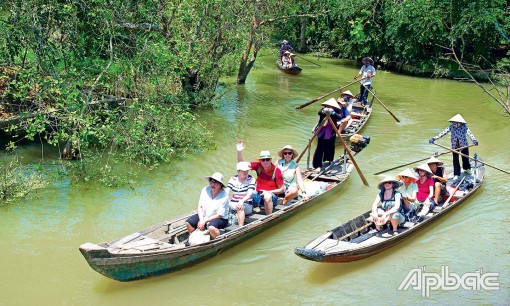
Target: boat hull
315, 251
292, 70
157, 253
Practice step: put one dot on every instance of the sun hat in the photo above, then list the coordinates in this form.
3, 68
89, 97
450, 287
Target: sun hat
408, 173
457, 118
284, 41
434, 160
331, 102
288, 147
391, 179
424, 167
347, 93
287, 52
265, 154
368, 59
217, 177
243, 166
292, 54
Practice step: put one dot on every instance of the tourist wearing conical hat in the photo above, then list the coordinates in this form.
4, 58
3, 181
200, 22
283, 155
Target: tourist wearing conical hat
389, 199
348, 97
440, 177
458, 129
326, 137
409, 190
367, 71
425, 195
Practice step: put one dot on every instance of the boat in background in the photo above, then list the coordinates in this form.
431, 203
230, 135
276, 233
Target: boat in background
357, 238
162, 248
292, 70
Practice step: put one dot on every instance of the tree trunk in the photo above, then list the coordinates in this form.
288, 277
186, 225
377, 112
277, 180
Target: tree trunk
245, 65
302, 47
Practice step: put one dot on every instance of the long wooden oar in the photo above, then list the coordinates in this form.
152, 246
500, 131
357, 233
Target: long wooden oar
311, 139
308, 60
348, 151
330, 93
420, 160
454, 191
377, 98
462, 154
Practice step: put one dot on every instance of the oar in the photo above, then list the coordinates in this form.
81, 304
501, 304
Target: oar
317, 99
462, 154
348, 151
377, 98
311, 139
420, 160
308, 60
454, 191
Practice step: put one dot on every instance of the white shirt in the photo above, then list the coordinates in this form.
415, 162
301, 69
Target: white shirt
364, 71
210, 206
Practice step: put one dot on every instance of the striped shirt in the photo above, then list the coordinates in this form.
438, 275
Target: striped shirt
240, 189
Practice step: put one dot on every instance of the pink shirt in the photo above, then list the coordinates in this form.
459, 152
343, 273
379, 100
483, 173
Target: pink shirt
423, 189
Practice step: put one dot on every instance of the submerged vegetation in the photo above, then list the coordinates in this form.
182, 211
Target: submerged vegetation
120, 81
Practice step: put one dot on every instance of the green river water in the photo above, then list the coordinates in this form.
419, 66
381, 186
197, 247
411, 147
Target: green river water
41, 265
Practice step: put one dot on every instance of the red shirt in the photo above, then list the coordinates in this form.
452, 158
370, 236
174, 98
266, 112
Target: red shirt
265, 179
423, 189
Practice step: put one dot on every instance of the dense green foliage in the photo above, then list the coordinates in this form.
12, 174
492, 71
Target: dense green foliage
419, 32
122, 79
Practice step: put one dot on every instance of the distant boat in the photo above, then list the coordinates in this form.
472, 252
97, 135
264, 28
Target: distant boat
161, 248
292, 70
358, 239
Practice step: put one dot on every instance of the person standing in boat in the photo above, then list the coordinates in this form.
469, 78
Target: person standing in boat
409, 190
285, 47
458, 129
390, 199
367, 71
212, 210
291, 173
425, 195
439, 176
326, 137
269, 184
242, 186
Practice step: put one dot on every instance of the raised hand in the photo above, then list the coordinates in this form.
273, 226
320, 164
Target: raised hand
240, 145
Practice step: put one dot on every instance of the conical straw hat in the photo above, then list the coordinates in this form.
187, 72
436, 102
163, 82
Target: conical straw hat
407, 172
348, 93
457, 118
433, 160
391, 179
332, 103
424, 167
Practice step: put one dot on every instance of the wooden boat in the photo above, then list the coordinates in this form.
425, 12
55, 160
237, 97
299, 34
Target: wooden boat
357, 238
161, 248
360, 114
292, 70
